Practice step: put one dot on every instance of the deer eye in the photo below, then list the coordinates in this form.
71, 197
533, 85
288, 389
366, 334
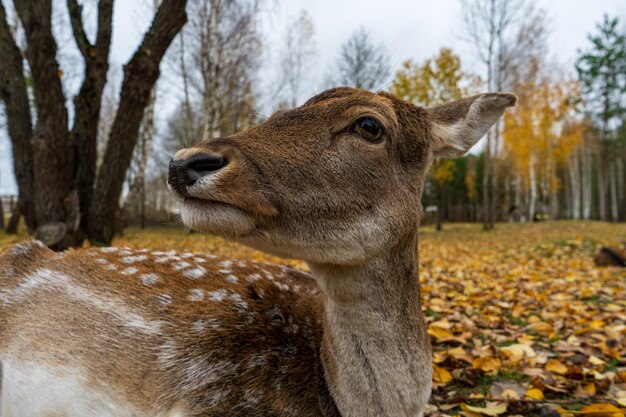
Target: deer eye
369, 129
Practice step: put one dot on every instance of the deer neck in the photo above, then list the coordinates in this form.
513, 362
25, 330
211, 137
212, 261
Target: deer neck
376, 352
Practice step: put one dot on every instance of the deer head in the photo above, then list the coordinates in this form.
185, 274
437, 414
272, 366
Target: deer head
337, 180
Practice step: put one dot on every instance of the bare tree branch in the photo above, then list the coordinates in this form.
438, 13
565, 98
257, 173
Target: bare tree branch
140, 75
76, 20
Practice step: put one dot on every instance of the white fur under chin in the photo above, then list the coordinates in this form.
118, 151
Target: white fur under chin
216, 219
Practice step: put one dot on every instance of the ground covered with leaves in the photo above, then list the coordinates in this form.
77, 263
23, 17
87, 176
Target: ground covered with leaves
522, 322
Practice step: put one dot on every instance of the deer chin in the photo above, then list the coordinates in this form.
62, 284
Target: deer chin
215, 218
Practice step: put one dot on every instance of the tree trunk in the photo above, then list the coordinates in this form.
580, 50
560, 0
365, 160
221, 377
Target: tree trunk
612, 167
440, 198
14, 94
137, 187
53, 155
587, 192
14, 220
486, 183
602, 181
1, 214
533, 189
140, 75
575, 183
87, 103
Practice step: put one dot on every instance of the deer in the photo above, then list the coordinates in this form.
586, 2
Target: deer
336, 182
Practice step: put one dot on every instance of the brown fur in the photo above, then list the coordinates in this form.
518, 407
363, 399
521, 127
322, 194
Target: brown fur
611, 256
248, 339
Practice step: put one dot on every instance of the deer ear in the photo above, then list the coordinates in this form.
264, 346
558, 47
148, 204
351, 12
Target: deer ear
458, 125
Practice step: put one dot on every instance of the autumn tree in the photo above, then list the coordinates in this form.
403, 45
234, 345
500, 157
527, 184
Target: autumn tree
507, 35
602, 74
361, 63
540, 137
434, 82
63, 196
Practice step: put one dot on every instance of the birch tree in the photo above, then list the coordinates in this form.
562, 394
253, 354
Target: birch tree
507, 35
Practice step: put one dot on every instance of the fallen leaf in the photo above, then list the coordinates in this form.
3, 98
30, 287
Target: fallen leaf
601, 410
441, 375
535, 394
491, 409
556, 366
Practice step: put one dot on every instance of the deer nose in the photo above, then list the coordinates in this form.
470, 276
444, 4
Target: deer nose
188, 171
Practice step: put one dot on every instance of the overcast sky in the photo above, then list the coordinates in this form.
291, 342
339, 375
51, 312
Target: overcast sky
408, 29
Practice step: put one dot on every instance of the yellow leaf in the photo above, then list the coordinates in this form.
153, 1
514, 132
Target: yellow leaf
439, 333
556, 366
494, 409
535, 394
519, 351
594, 360
441, 375
601, 410
487, 364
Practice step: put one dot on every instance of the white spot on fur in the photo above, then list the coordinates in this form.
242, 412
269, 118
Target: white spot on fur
195, 273
283, 287
149, 279
108, 250
198, 326
199, 260
253, 278
196, 294
162, 259
214, 324
225, 264
239, 301
132, 259
102, 261
186, 255
182, 265
21, 249
110, 267
231, 278
164, 299
218, 295
125, 252
130, 271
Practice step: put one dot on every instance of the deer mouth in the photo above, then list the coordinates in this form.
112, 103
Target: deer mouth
215, 217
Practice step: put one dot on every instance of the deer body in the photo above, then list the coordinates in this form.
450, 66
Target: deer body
336, 182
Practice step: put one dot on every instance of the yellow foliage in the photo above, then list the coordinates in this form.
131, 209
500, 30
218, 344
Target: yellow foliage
542, 133
438, 80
